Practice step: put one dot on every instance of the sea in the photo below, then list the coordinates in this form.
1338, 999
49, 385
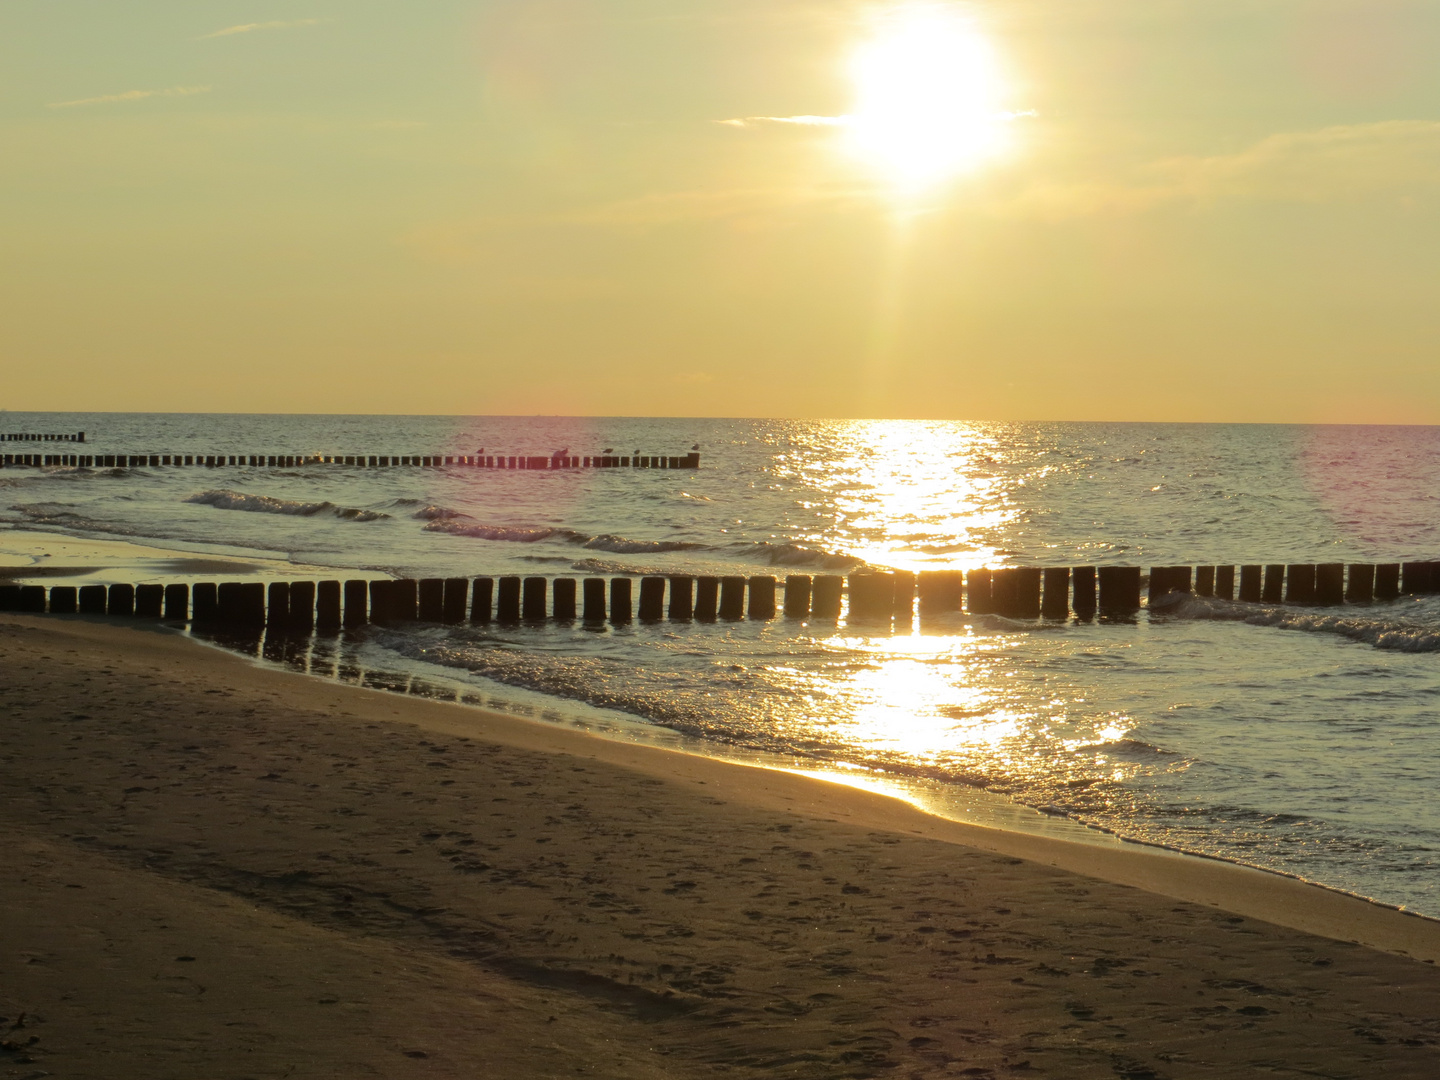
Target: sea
1304, 741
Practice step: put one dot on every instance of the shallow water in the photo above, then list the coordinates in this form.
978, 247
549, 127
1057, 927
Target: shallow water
1299, 740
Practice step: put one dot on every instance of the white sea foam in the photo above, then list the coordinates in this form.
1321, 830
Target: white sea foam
224, 499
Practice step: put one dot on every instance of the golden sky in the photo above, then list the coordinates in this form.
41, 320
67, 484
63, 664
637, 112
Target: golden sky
1037, 209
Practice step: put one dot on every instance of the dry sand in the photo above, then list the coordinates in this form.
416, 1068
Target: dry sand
216, 870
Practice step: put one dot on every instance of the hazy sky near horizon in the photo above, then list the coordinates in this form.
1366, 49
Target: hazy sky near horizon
1031, 209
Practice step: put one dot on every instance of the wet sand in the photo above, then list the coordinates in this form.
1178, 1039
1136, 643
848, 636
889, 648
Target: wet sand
219, 870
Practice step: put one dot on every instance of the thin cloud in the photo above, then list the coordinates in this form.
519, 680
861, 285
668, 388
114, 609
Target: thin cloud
130, 95
804, 121
245, 28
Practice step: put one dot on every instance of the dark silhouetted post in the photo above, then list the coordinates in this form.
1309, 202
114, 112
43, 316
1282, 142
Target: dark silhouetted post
252, 603
65, 600
1360, 589
382, 609
1004, 592
1300, 583
1027, 592
10, 597
940, 591
302, 605
357, 605
204, 601
482, 600
92, 599
652, 599
621, 608
1274, 589
594, 597
1119, 591
682, 598
797, 596
762, 597
1330, 584
732, 597
432, 599
507, 600
980, 592
1055, 601
32, 599
1387, 581
564, 599
707, 598
456, 599
277, 606
404, 600
532, 603
1415, 579
149, 601
1224, 582
871, 598
825, 594
1205, 581
121, 600
177, 603
1251, 583
1083, 585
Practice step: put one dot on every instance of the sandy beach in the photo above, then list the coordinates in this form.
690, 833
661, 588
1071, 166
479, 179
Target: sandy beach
222, 870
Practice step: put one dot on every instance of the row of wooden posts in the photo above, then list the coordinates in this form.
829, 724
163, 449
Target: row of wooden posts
1014, 592
79, 436
370, 461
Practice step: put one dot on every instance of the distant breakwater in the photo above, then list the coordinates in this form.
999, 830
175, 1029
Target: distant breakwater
1111, 593
363, 461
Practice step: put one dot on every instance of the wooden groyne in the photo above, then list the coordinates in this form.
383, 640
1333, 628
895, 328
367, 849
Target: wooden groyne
359, 461
1019, 593
79, 436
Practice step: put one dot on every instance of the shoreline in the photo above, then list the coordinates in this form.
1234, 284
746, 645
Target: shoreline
224, 869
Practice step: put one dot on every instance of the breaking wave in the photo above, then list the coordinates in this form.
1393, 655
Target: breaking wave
799, 555
621, 545
514, 533
1397, 634
223, 499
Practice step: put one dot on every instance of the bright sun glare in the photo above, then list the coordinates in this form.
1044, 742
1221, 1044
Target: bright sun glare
928, 90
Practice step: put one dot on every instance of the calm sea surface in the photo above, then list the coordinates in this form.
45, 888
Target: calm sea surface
1306, 741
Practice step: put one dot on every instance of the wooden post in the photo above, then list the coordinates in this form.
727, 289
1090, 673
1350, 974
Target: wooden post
871, 598
357, 605
532, 605
903, 586
403, 597
1205, 581
482, 599
149, 601
797, 596
1387, 581
980, 592
1251, 586
1224, 582
121, 600
277, 606
92, 599
302, 605
10, 596
432, 599
1027, 592
652, 599
1055, 601
1119, 591
382, 608
1300, 583
732, 597
1005, 592
564, 599
707, 598
1360, 589
825, 593
762, 597
1330, 584
65, 600
456, 598
32, 599
252, 603
507, 600
1082, 580
1273, 590
621, 608
593, 592
1415, 578
682, 598
204, 602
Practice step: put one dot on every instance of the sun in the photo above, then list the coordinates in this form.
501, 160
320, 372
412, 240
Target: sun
928, 97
